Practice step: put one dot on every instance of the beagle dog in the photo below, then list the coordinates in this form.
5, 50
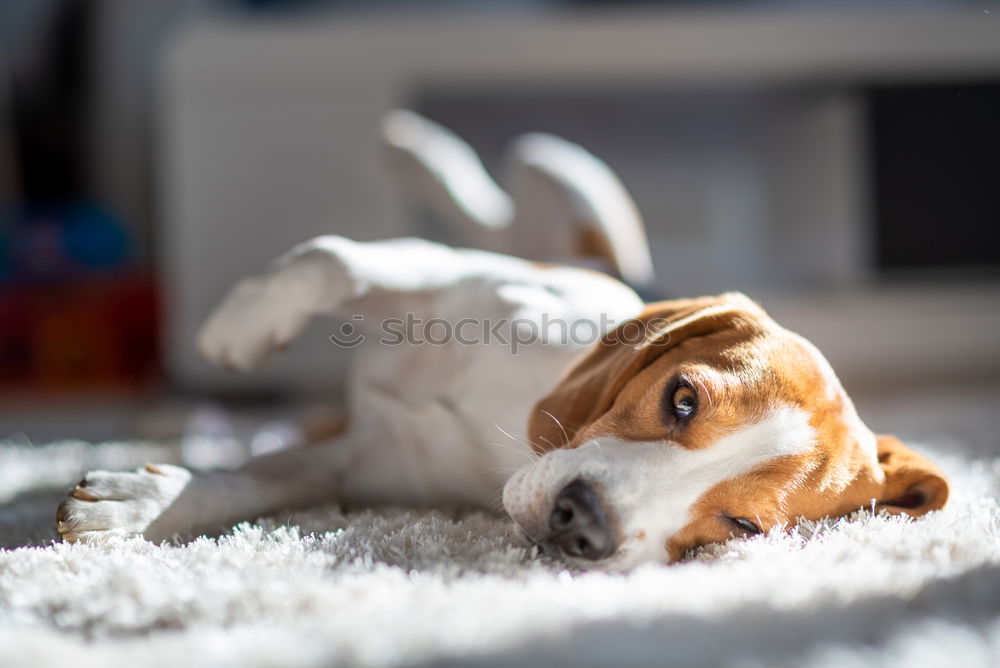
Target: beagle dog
616, 432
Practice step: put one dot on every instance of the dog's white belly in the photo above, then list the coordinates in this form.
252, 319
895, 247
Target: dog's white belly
441, 424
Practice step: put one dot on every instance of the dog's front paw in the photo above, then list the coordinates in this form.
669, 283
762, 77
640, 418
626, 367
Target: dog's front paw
261, 315
108, 504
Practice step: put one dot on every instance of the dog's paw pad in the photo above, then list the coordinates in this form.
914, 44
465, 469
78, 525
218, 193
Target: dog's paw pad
106, 503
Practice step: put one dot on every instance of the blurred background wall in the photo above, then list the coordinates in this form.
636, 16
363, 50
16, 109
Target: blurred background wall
838, 161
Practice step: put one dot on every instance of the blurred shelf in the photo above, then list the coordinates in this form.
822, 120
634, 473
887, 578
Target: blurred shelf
773, 44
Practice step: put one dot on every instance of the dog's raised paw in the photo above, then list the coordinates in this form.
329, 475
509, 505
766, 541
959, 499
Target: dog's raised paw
258, 318
107, 503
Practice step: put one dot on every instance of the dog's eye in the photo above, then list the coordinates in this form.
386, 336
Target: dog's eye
745, 525
684, 401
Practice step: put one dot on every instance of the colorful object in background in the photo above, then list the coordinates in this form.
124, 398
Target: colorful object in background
76, 312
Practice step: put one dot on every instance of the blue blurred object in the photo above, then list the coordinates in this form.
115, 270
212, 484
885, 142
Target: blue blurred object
94, 238
55, 241
6, 243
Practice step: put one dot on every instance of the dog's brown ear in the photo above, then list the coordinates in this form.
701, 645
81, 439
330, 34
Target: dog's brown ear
913, 485
590, 387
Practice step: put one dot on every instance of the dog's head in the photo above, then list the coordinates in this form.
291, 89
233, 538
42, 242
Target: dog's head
700, 420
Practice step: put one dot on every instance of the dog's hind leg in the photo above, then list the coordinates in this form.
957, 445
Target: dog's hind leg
559, 202
441, 174
570, 204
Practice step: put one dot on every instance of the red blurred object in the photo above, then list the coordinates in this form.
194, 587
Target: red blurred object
93, 333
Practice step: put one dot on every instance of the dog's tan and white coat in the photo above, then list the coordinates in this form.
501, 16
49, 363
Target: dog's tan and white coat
685, 423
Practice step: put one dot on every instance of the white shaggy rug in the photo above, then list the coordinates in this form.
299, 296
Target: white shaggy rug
396, 587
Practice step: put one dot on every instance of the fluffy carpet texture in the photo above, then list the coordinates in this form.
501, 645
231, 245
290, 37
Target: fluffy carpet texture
394, 587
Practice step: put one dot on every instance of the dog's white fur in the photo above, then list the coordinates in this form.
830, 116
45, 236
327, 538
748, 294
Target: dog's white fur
428, 423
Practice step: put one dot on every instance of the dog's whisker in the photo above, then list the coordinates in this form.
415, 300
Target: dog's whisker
558, 424
508, 434
549, 443
514, 438
506, 446
497, 503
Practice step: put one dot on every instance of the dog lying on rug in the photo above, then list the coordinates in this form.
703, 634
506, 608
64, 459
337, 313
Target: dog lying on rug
652, 429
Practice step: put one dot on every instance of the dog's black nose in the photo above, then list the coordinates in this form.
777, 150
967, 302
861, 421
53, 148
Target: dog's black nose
578, 525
